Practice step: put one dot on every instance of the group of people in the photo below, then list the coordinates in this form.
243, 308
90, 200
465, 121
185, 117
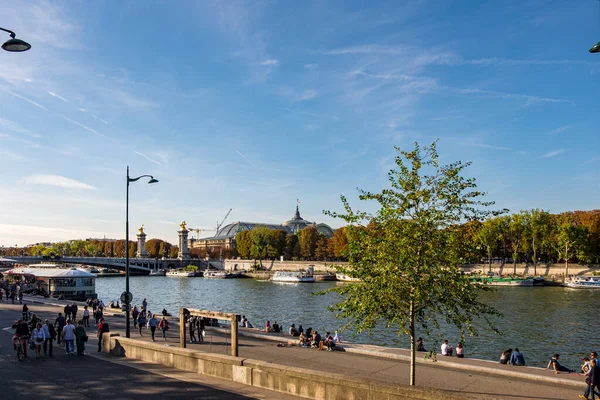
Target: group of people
145, 319
196, 325
12, 295
512, 357
311, 338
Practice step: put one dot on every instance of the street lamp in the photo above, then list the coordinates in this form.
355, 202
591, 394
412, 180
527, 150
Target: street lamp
127, 295
14, 45
595, 48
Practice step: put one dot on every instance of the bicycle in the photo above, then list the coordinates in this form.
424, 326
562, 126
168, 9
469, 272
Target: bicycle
19, 348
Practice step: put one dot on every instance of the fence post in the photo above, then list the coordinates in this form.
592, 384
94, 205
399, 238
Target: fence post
182, 327
234, 336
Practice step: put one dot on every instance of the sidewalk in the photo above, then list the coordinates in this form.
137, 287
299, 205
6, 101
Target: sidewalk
471, 377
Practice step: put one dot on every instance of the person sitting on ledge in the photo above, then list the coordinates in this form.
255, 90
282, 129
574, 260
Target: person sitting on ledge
293, 331
419, 344
557, 366
446, 348
330, 343
323, 342
316, 340
268, 327
301, 340
517, 358
165, 313
505, 356
275, 326
460, 350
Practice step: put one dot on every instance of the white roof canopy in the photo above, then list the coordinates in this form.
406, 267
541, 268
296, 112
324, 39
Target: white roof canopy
52, 273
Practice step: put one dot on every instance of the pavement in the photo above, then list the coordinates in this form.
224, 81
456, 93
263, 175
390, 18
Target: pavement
471, 378
101, 376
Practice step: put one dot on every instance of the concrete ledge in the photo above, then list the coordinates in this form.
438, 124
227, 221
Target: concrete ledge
296, 381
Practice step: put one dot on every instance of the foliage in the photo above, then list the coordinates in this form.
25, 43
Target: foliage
339, 244
308, 242
408, 271
243, 244
259, 237
173, 251
153, 247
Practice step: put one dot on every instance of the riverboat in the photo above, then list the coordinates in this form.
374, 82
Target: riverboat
180, 273
345, 278
294, 276
503, 281
220, 274
158, 272
54, 280
583, 282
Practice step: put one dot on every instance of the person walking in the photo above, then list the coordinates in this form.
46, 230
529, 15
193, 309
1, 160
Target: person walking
134, 315
68, 335
59, 324
12, 296
74, 310
67, 310
192, 327
1, 294
25, 313
80, 338
86, 317
201, 331
152, 324
144, 305
164, 326
38, 339
50, 337
20, 296
102, 329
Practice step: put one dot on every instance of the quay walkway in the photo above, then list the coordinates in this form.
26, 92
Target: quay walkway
467, 378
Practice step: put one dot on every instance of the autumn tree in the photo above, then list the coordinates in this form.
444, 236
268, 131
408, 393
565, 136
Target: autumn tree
339, 243
276, 243
153, 248
291, 241
323, 249
408, 275
308, 242
517, 228
163, 249
569, 241
173, 252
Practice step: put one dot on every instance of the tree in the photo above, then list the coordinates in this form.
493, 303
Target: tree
339, 243
291, 241
488, 236
308, 242
276, 243
408, 275
243, 244
132, 249
91, 248
173, 252
590, 220
153, 248
37, 250
537, 232
108, 249
163, 249
570, 241
323, 249
259, 237
77, 248
517, 226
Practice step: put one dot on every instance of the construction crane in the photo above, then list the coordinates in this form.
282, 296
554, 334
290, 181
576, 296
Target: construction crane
197, 230
221, 224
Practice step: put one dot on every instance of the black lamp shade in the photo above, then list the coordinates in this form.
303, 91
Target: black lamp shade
595, 48
153, 180
16, 45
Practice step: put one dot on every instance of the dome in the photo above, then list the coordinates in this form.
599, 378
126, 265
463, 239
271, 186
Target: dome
229, 231
297, 223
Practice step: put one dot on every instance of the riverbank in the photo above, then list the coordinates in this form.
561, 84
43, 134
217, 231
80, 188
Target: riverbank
468, 377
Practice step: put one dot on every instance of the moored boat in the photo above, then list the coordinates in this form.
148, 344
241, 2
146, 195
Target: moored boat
158, 272
180, 273
345, 278
294, 276
583, 282
503, 281
54, 280
220, 274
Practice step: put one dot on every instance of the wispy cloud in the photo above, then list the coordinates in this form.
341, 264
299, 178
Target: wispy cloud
553, 153
244, 157
65, 100
271, 62
15, 127
87, 128
38, 105
489, 146
560, 130
311, 67
308, 94
57, 180
146, 157
529, 99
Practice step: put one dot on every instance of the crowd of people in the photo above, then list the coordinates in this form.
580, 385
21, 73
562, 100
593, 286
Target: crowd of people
311, 338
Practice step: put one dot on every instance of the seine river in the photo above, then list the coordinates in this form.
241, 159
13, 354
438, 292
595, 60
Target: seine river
539, 321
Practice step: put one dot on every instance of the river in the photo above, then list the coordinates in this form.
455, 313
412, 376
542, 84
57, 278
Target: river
539, 321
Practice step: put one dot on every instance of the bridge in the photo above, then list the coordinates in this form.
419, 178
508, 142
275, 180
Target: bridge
139, 265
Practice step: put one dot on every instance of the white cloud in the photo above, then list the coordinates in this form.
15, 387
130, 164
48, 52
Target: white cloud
553, 153
308, 94
311, 67
244, 157
57, 180
38, 105
146, 157
560, 130
271, 62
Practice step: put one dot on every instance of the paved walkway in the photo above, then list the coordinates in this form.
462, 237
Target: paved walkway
470, 377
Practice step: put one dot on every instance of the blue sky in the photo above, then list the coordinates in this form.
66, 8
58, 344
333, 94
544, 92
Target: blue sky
251, 105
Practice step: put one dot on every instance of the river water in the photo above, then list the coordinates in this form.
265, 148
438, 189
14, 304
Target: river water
539, 321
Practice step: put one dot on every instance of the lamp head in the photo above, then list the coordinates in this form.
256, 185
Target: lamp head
152, 180
16, 45
595, 48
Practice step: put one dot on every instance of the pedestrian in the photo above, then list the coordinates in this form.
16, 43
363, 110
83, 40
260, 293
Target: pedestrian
1, 293
38, 339
59, 324
12, 296
67, 310
68, 335
164, 326
51, 336
86, 317
152, 324
517, 358
102, 329
144, 305
201, 331
20, 296
134, 314
141, 320
25, 313
557, 366
81, 337
94, 305
192, 327
74, 312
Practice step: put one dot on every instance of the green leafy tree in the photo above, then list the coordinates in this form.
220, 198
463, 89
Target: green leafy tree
517, 228
259, 237
570, 241
37, 250
323, 249
276, 243
91, 248
308, 242
538, 229
77, 248
408, 275
291, 241
243, 244
488, 236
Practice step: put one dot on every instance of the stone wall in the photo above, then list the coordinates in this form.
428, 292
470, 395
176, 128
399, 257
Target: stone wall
295, 381
270, 265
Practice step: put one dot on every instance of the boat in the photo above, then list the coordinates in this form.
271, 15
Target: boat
180, 273
503, 281
54, 280
294, 276
583, 282
220, 274
345, 278
158, 272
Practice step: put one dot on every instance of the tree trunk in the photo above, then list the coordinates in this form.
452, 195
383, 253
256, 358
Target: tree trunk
412, 344
534, 258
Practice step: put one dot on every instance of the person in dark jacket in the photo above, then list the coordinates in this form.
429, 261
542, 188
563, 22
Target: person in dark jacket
74, 311
517, 358
557, 366
102, 329
59, 324
67, 311
21, 331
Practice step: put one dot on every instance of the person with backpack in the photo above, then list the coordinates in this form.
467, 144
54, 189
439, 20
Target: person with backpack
164, 326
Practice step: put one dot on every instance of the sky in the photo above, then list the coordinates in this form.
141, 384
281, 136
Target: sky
255, 105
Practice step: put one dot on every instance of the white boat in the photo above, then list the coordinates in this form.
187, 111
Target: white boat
502, 281
583, 282
345, 278
219, 274
294, 276
54, 280
180, 273
158, 272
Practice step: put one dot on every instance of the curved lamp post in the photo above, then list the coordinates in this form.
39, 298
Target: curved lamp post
14, 45
128, 296
595, 48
